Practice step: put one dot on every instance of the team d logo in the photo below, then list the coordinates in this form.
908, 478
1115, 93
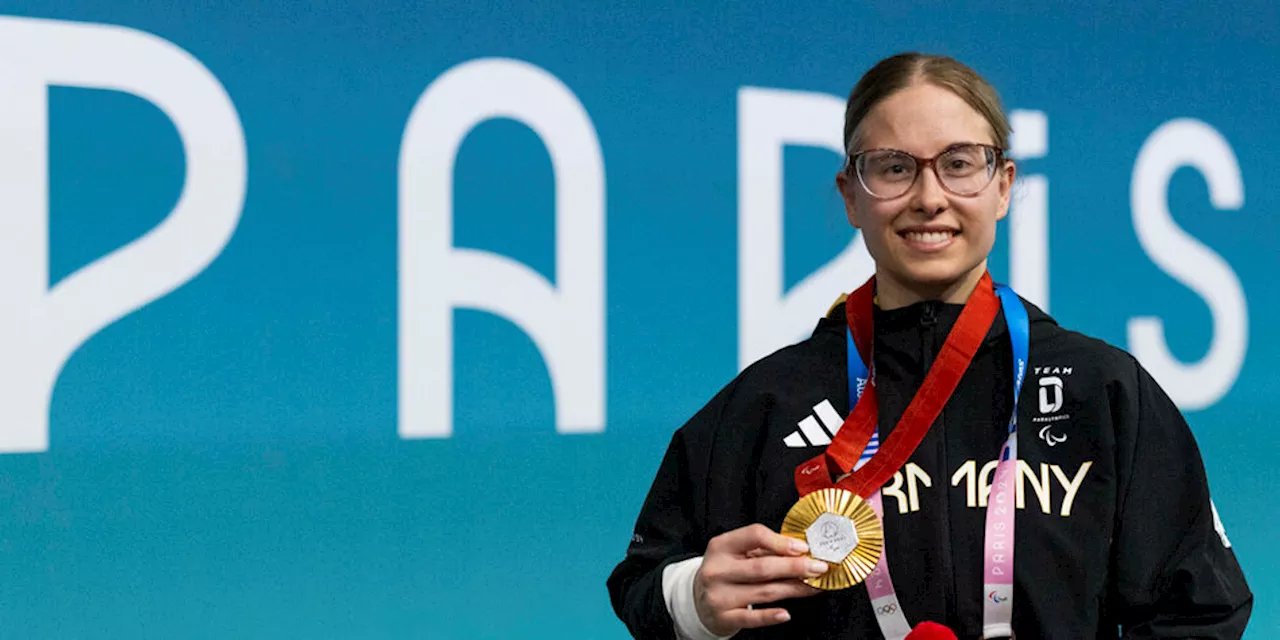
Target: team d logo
1051, 403
1050, 394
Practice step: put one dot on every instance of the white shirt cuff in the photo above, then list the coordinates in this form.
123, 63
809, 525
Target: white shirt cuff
677, 591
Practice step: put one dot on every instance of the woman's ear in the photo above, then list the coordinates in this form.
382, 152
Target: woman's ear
848, 190
1007, 174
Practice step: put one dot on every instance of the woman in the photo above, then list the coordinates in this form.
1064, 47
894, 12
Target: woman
1113, 531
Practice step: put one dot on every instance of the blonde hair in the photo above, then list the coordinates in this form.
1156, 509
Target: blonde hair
905, 69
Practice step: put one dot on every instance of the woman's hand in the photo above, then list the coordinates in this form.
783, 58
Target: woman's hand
749, 566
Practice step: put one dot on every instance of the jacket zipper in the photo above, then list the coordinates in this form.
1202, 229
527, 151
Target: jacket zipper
928, 322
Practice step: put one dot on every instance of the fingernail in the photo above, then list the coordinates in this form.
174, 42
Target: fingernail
782, 616
799, 547
817, 566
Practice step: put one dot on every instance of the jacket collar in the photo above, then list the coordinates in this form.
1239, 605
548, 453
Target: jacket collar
942, 315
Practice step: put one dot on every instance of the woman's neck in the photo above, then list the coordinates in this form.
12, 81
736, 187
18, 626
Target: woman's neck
892, 293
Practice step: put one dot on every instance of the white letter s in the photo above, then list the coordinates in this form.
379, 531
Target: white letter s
1189, 143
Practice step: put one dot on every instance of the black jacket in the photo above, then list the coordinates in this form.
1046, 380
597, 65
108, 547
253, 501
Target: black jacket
1116, 534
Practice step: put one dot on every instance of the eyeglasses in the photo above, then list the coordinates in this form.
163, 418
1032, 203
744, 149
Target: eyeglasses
963, 169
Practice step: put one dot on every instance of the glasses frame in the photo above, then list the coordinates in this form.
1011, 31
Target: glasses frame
998, 155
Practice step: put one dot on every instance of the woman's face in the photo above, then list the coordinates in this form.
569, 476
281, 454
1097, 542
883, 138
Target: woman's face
928, 240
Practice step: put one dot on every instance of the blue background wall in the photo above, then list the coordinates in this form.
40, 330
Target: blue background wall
225, 462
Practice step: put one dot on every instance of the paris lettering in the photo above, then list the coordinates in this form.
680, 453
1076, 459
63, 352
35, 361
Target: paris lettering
44, 325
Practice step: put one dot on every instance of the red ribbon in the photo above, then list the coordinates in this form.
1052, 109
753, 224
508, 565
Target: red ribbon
941, 381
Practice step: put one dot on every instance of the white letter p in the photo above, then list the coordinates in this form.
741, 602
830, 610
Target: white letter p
41, 327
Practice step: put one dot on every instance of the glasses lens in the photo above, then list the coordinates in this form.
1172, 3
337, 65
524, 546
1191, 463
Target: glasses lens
886, 174
966, 170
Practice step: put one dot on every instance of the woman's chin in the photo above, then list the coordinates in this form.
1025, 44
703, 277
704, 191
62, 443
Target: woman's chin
937, 279
935, 274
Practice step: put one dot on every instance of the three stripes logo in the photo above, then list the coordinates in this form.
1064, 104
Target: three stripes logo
818, 429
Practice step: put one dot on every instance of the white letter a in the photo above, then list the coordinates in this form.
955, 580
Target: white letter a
565, 320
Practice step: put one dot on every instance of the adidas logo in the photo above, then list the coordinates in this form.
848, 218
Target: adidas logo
818, 429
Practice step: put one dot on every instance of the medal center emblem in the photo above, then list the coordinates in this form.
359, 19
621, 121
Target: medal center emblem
831, 537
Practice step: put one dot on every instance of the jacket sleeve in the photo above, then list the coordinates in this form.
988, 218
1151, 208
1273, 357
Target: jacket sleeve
671, 526
1175, 574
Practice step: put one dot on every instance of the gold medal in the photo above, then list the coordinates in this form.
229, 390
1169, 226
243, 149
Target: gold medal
842, 530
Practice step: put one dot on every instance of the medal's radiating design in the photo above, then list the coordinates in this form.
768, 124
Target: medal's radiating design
842, 530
